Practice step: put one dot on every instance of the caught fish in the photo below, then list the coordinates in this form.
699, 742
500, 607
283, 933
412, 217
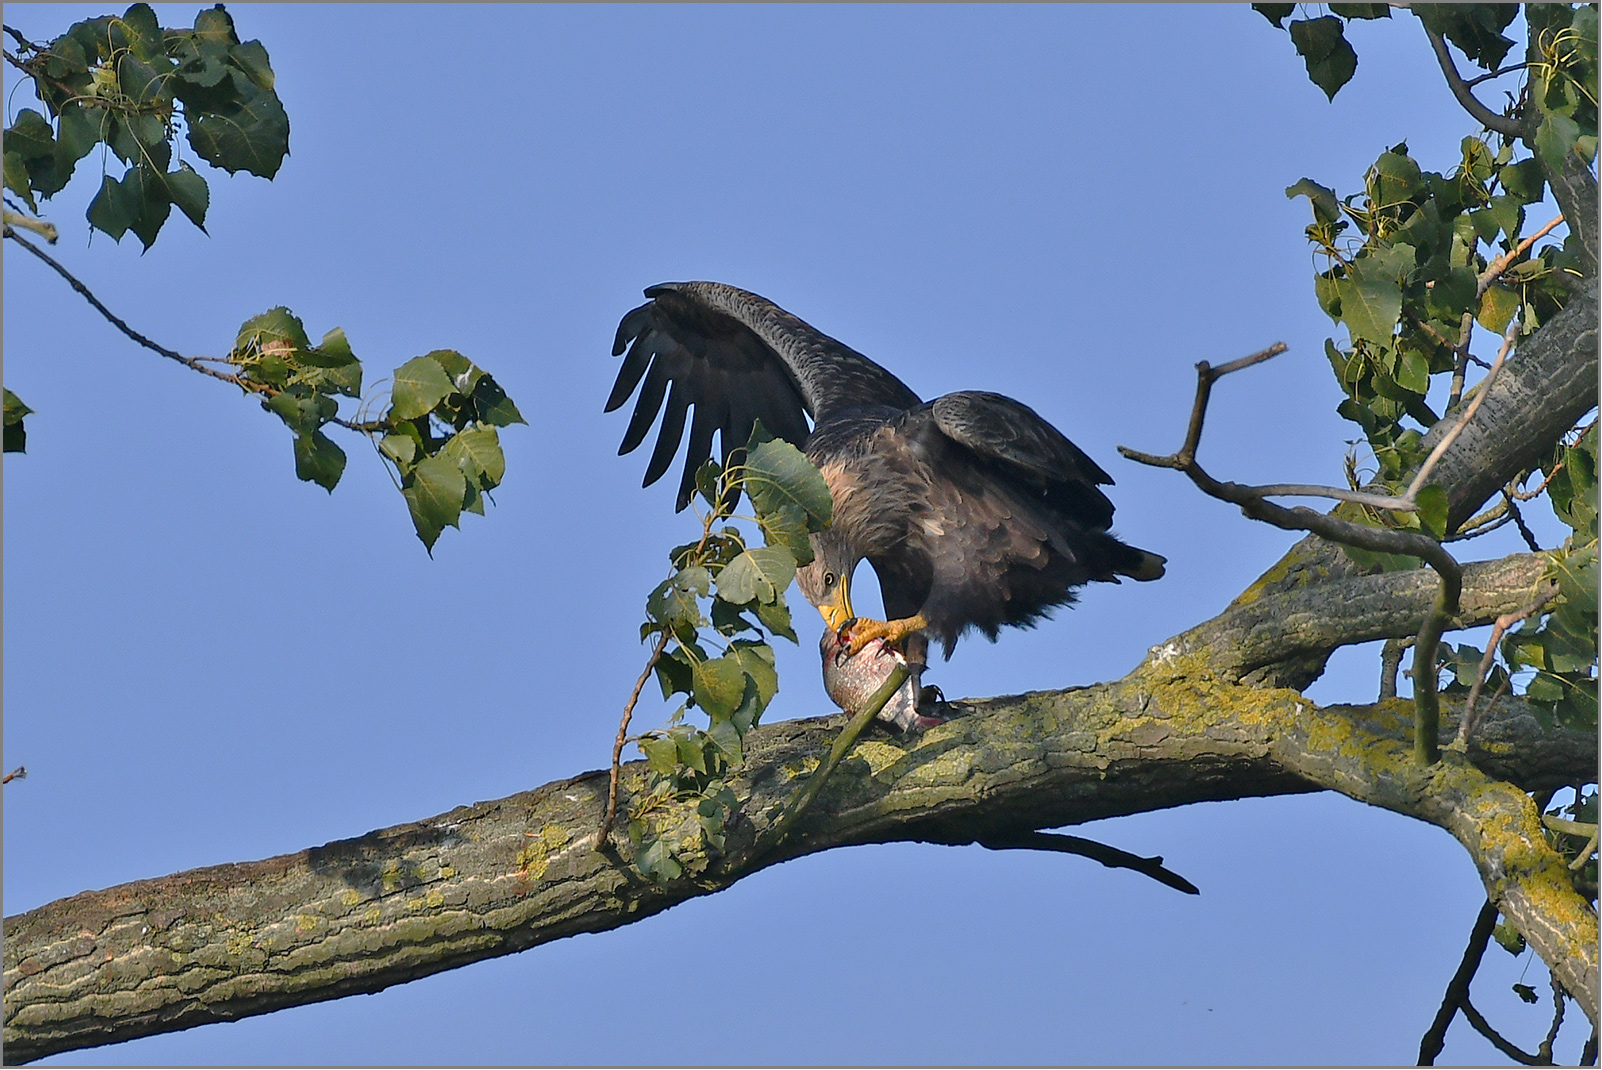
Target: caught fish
852, 681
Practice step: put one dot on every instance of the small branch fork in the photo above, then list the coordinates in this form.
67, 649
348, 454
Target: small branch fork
1253, 503
1501, 124
1457, 999
193, 363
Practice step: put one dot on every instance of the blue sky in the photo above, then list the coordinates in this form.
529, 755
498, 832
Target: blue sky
208, 661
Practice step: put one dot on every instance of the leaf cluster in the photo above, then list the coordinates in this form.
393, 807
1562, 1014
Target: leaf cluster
1417, 258
440, 431
713, 614
126, 83
441, 436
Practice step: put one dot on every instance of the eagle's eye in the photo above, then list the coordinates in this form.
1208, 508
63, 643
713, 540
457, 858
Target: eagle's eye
830, 579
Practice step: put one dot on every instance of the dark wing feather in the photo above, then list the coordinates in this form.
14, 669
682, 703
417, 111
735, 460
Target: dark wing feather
1010, 433
736, 358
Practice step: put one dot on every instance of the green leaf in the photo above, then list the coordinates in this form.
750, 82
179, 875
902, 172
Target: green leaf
1432, 510
1554, 140
434, 497
1526, 993
776, 475
661, 753
420, 384
16, 436
16, 177
493, 406
188, 191
1326, 209
674, 601
1331, 62
477, 451
318, 459
1511, 939
400, 448
756, 661
276, 325
30, 136
1524, 180
203, 54
303, 412
719, 686
1371, 301
107, 212
249, 132
145, 188
1413, 371
1473, 28
775, 617
1275, 13
1361, 11
674, 674
1395, 178
759, 575
1452, 294
1497, 309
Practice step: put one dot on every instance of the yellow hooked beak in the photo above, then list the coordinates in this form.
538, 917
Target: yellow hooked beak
836, 609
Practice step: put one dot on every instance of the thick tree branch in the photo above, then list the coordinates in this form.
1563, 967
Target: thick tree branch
1548, 385
360, 915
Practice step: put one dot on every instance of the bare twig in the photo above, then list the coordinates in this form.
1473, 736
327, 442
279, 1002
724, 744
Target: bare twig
1487, 118
1111, 857
1457, 989
622, 738
1472, 82
1480, 392
1390, 664
21, 40
1559, 999
1498, 1041
45, 230
1482, 524
1495, 268
1524, 532
193, 363
1471, 719
1253, 503
19, 773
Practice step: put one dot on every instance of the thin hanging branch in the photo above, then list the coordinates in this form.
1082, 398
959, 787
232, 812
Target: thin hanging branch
192, 363
1457, 989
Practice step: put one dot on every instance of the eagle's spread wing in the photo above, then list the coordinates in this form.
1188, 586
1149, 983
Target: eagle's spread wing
1011, 434
736, 358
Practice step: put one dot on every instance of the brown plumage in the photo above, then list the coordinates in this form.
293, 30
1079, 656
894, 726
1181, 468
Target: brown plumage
972, 509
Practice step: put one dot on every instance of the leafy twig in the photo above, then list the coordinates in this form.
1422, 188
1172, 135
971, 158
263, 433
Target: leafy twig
622, 738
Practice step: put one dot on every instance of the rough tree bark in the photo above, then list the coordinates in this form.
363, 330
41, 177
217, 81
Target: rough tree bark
1205, 717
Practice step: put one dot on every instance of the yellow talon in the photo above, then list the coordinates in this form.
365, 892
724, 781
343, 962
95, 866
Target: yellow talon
864, 631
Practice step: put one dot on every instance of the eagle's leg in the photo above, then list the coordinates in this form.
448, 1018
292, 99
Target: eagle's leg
862, 631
